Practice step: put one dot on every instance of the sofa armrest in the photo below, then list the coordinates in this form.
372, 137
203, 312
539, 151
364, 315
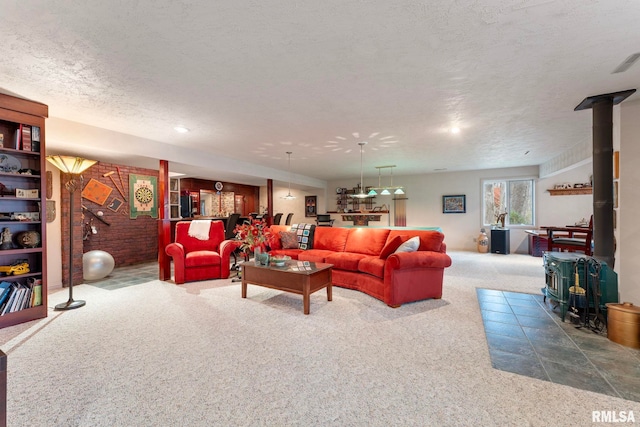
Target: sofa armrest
176, 251
419, 259
226, 249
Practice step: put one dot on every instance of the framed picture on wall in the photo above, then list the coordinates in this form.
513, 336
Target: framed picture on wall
454, 204
310, 205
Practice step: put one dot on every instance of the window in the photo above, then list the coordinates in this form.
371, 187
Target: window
513, 196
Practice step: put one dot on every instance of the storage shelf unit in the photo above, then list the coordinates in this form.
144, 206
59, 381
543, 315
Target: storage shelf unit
22, 164
174, 198
345, 202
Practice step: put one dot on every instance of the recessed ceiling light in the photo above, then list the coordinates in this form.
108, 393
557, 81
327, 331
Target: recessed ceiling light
181, 129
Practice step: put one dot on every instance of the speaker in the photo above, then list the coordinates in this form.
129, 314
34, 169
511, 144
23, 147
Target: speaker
500, 241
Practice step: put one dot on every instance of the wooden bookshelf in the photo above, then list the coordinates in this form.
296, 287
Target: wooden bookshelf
22, 166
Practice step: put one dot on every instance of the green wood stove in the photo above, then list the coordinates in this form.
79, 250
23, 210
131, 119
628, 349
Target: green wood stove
598, 280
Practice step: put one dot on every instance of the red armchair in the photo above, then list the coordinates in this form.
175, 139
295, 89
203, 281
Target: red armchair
195, 259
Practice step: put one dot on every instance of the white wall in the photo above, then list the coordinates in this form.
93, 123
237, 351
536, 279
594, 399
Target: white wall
54, 236
296, 205
628, 261
424, 207
564, 210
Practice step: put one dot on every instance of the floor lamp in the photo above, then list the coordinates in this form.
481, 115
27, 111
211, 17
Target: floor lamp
72, 167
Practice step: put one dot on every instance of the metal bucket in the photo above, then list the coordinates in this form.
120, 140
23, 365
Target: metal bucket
623, 324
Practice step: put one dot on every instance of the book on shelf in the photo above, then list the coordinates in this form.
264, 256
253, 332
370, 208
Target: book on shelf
35, 138
12, 296
18, 138
1, 140
26, 137
37, 293
17, 302
5, 290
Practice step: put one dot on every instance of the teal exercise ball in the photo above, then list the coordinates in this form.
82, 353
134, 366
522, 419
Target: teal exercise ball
97, 264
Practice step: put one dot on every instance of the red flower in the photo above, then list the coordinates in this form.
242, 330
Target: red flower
253, 235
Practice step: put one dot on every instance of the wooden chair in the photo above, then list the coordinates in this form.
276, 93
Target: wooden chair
276, 218
570, 239
288, 221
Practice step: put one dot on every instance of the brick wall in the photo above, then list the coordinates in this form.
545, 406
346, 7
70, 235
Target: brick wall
129, 241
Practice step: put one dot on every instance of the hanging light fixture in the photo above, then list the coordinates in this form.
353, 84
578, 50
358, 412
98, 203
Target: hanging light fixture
386, 191
289, 196
361, 194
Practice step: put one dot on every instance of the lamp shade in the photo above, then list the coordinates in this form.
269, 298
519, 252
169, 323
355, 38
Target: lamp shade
71, 164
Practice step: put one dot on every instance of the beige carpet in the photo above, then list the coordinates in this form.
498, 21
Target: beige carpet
157, 354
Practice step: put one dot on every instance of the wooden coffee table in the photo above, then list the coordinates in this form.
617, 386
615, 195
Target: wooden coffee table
298, 277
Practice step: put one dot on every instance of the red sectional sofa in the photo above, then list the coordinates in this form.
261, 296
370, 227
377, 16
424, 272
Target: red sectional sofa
359, 261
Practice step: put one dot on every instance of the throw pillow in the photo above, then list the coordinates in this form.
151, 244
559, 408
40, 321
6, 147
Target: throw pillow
304, 232
289, 240
392, 245
410, 245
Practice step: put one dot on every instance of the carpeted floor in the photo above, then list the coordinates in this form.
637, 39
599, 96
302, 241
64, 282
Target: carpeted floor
199, 355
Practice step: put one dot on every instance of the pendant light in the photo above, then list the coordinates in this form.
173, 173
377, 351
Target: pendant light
289, 196
361, 194
386, 191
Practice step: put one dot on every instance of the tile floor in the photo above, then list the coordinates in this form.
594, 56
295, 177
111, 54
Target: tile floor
127, 276
526, 336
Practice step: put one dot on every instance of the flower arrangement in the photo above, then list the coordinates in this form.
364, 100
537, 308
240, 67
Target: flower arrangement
254, 234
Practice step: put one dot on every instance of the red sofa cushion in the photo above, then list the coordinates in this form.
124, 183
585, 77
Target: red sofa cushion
430, 240
315, 255
330, 238
368, 241
391, 245
372, 265
274, 241
345, 260
201, 258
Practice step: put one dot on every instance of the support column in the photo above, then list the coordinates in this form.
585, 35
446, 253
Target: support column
270, 201
603, 180
602, 106
164, 222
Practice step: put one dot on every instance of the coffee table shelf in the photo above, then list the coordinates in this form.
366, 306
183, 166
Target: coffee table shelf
298, 277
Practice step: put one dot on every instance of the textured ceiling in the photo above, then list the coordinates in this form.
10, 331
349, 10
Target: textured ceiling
254, 79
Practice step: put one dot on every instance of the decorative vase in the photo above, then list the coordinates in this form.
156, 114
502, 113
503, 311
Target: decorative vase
264, 260
483, 242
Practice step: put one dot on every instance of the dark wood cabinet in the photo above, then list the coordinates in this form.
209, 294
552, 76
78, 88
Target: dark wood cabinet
23, 260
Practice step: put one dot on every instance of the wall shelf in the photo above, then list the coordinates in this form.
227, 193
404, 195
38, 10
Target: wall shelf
570, 191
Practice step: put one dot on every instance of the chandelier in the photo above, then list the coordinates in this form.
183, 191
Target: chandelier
385, 191
361, 194
289, 196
